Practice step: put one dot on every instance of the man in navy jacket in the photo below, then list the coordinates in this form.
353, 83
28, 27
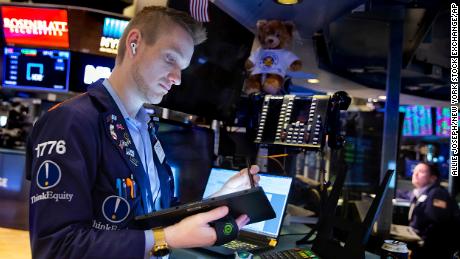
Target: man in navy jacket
95, 163
433, 215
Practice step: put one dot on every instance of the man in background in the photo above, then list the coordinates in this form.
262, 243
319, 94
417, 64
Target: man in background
433, 214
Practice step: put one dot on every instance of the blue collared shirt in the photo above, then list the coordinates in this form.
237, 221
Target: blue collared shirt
139, 133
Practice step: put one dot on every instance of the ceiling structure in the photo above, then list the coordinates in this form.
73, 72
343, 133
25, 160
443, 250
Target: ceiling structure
344, 43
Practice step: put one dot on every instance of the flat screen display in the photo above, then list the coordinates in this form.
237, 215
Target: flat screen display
87, 69
362, 151
275, 187
36, 69
111, 34
417, 120
443, 121
39, 27
189, 151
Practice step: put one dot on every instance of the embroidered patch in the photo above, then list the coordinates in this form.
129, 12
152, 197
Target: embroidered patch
130, 152
127, 138
159, 151
439, 203
134, 161
48, 175
112, 132
112, 118
115, 209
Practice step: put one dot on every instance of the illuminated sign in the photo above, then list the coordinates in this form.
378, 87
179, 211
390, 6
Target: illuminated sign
4, 182
92, 74
417, 120
35, 26
41, 69
3, 120
443, 121
111, 34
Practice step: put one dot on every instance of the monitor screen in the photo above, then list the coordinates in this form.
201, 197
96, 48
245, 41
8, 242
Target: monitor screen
190, 152
276, 188
362, 151
41, 27
417, 120
443, 121
11, 172
36, 69
87, 69
111, 34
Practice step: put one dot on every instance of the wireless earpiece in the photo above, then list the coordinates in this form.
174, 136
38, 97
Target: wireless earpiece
133, 47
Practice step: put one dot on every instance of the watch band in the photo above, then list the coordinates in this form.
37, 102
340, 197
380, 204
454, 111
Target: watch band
160, 248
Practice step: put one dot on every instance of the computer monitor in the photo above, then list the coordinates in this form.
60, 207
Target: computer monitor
111, 33
443, 121
36, 69
12, 180
276, 188
189, 151
87, 69
362, 150
418, 121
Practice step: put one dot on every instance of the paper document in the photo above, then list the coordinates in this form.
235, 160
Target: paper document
404, 233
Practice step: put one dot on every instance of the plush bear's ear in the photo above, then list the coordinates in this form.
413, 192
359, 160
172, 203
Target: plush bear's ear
261, 23
289, 27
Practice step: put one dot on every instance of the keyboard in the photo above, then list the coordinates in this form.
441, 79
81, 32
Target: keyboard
239, 245
290, 253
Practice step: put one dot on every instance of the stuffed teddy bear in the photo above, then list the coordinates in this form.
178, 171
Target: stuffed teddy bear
269, 63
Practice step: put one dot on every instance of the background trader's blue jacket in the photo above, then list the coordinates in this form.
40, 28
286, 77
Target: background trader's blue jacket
83, 168
436, 219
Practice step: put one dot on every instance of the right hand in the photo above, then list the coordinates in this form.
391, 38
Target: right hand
194, 231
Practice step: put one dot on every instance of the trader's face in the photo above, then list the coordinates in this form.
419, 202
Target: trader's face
421, 176
159, 66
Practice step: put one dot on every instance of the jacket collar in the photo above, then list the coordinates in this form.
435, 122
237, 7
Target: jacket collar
115, 126
117, 131
100, 95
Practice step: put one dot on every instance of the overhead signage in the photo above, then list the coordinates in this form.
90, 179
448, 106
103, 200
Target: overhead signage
35, 26
92, 74
111, 34
4, 182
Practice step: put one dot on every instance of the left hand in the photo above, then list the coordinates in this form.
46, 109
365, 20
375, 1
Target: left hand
239, 181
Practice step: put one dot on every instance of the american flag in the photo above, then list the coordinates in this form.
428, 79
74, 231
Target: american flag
199, 10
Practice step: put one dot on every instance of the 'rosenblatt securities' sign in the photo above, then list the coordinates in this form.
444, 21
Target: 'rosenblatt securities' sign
35, 26
111, 34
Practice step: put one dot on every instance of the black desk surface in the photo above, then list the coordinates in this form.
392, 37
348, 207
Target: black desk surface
284, 242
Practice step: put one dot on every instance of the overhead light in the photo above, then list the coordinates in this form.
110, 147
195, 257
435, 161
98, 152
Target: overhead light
288, 2
313, 81
356, 70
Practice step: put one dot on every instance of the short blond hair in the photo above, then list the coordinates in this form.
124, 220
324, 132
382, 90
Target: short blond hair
154, 20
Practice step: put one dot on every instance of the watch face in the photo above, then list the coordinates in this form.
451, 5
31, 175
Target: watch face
161, 251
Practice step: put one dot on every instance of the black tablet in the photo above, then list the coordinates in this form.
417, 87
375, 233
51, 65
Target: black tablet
252, 202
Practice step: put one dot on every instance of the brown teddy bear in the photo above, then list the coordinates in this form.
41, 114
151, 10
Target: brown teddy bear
269, 63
